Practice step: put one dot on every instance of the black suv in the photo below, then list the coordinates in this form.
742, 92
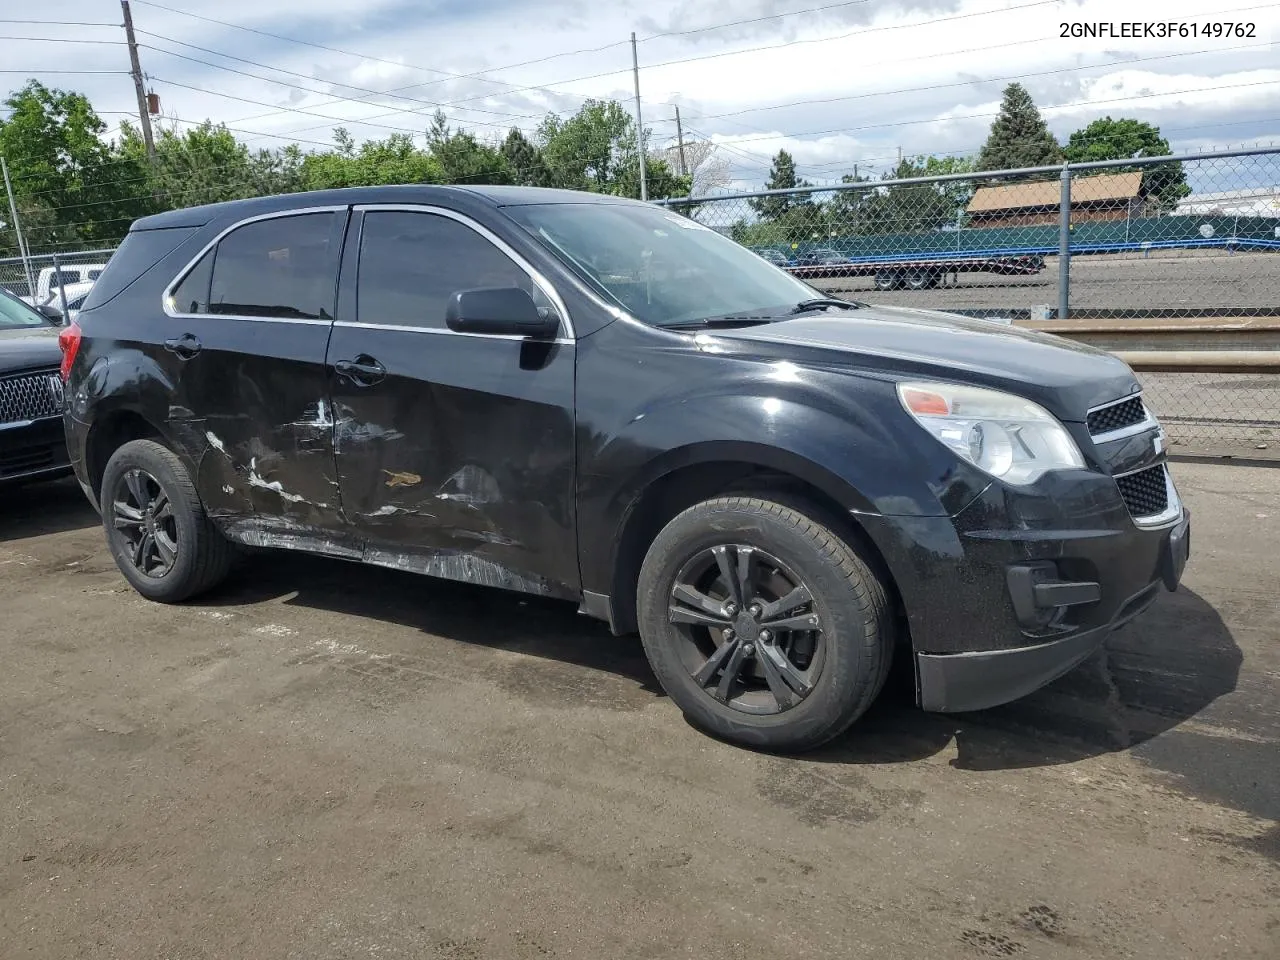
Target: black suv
596, 399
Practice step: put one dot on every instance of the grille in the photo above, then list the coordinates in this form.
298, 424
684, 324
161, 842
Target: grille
31, 396
1117, 416
1144, 492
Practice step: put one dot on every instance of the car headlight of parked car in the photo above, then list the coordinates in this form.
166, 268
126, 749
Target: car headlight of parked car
1009, 437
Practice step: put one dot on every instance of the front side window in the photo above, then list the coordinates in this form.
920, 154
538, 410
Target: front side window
411, 265
661, 267
279, 267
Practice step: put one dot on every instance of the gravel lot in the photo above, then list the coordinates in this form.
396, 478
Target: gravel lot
325, 761
1167, 279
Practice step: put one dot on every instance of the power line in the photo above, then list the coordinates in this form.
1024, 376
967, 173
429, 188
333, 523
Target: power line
109, 43
969, 82
739, 23
304, 76
982, 116
42, 70
66, 23
596, 76
306, 113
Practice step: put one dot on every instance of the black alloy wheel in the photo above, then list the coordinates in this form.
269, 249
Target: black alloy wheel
753, 638
162, 540
144, 520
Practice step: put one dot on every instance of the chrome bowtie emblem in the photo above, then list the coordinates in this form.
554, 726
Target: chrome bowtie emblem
53, 383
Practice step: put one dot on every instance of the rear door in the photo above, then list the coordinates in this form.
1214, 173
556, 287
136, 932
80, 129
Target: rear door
455, 451
249, 322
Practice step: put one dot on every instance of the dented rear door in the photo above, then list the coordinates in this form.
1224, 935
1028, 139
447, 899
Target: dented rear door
249, 323
454, 451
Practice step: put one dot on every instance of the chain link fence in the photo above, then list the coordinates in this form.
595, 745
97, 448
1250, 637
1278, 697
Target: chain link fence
41, 280
1170, 253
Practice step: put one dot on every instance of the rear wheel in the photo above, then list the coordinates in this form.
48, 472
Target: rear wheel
762, 625
888, 281
158, 532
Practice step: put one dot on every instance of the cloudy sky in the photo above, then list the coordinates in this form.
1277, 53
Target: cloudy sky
834, 83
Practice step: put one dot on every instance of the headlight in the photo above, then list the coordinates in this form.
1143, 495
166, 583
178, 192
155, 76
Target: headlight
1005, 435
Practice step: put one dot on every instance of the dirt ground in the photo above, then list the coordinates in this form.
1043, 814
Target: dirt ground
325, 761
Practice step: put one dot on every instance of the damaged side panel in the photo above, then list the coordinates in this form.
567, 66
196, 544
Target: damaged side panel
464, 448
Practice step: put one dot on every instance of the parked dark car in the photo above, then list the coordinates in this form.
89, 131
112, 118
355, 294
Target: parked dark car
820, 257
776, 257
592, 398
32, 443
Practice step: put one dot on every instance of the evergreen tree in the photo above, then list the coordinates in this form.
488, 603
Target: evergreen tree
1019, 137
524, 161
782, 176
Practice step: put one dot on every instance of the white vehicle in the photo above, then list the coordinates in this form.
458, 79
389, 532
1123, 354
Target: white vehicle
76, 294
71, 274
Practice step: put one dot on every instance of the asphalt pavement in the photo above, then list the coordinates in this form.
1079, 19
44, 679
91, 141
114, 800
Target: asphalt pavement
323, 760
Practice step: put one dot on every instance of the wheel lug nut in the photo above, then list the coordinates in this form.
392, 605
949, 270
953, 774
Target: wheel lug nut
754, 609
765, 636
749, 649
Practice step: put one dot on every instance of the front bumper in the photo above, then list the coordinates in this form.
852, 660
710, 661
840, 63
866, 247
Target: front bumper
1022, 585
955, 682
34, 450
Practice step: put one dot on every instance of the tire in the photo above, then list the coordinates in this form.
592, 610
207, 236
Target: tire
888, 281
143, 471
852, 646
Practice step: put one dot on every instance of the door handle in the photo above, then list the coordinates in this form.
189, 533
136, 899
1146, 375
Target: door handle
363, 370
185, 346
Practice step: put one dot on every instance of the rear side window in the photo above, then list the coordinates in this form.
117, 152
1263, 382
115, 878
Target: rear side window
280, 267
411, 264
140, 251
192, 294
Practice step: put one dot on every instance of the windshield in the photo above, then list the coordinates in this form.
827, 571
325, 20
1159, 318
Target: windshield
661, 267
14, 314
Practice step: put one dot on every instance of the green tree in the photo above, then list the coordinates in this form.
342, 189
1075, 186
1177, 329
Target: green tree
375, 162
59, 162
1019, 136
462, 157
595, 150
913, 207
1107, 139
782, 176
524, 161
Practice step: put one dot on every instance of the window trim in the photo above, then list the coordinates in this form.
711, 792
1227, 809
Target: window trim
566, 333
166, 298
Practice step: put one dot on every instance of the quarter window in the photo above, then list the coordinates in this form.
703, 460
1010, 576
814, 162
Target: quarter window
411, 264
192, 294
279, 267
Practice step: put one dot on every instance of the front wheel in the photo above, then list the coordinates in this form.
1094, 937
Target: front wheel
764, 626
158, 532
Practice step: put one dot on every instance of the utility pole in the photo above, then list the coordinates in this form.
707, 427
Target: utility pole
635, 73
144, 115
17, 232
684, 166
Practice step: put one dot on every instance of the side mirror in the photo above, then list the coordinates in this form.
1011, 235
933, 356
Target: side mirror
507, 311
50, 313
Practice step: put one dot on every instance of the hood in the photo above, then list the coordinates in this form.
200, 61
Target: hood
32, 348
1064, 376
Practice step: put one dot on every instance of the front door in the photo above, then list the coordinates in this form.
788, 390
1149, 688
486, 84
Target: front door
455, 451
247, 331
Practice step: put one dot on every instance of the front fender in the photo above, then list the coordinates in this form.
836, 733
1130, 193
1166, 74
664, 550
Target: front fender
850, 443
